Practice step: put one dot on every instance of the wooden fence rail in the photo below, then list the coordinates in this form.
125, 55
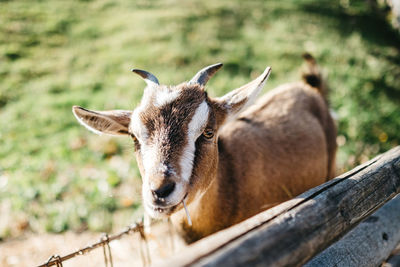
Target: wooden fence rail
292, 233
368, 244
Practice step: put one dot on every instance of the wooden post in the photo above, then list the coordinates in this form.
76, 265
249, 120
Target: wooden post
290, 234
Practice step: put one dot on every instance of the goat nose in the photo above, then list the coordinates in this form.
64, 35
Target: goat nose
164, 190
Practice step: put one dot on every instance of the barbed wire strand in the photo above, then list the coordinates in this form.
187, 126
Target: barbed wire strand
57, 260
107, 259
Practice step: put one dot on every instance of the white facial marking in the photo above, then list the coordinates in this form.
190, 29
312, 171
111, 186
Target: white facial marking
195, 128
150, 152
151, 161
165, 96
137, 127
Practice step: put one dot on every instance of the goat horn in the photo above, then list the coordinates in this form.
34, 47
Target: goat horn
149, 78
205, 74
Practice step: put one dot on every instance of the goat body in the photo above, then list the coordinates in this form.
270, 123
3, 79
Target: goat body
275, 150
227, 162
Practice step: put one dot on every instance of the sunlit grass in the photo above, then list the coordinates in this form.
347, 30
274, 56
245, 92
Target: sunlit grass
55, 175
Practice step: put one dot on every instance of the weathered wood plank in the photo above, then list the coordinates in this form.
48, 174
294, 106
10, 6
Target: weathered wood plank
394, 259
368, 244
295, 231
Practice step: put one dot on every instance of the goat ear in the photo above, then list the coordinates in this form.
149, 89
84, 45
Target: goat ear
238, 99
113, 122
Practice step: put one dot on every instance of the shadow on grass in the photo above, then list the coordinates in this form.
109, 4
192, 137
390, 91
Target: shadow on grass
375, 29
376, 95
369, 22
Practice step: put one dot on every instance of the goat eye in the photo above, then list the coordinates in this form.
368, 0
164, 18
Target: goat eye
208, 133
135, 140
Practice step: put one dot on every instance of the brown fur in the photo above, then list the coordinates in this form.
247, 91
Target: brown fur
169, 124
280, 147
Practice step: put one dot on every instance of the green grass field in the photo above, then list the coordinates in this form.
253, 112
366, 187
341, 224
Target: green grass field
55, 175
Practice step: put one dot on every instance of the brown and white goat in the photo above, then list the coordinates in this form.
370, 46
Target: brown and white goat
225, 162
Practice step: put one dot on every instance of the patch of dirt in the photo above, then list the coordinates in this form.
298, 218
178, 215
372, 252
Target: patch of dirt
35, 249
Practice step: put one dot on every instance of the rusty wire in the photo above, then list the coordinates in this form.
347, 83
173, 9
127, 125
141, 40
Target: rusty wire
57, 259
104, 241
107, 258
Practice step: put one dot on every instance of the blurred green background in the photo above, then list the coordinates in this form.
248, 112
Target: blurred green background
56, 176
